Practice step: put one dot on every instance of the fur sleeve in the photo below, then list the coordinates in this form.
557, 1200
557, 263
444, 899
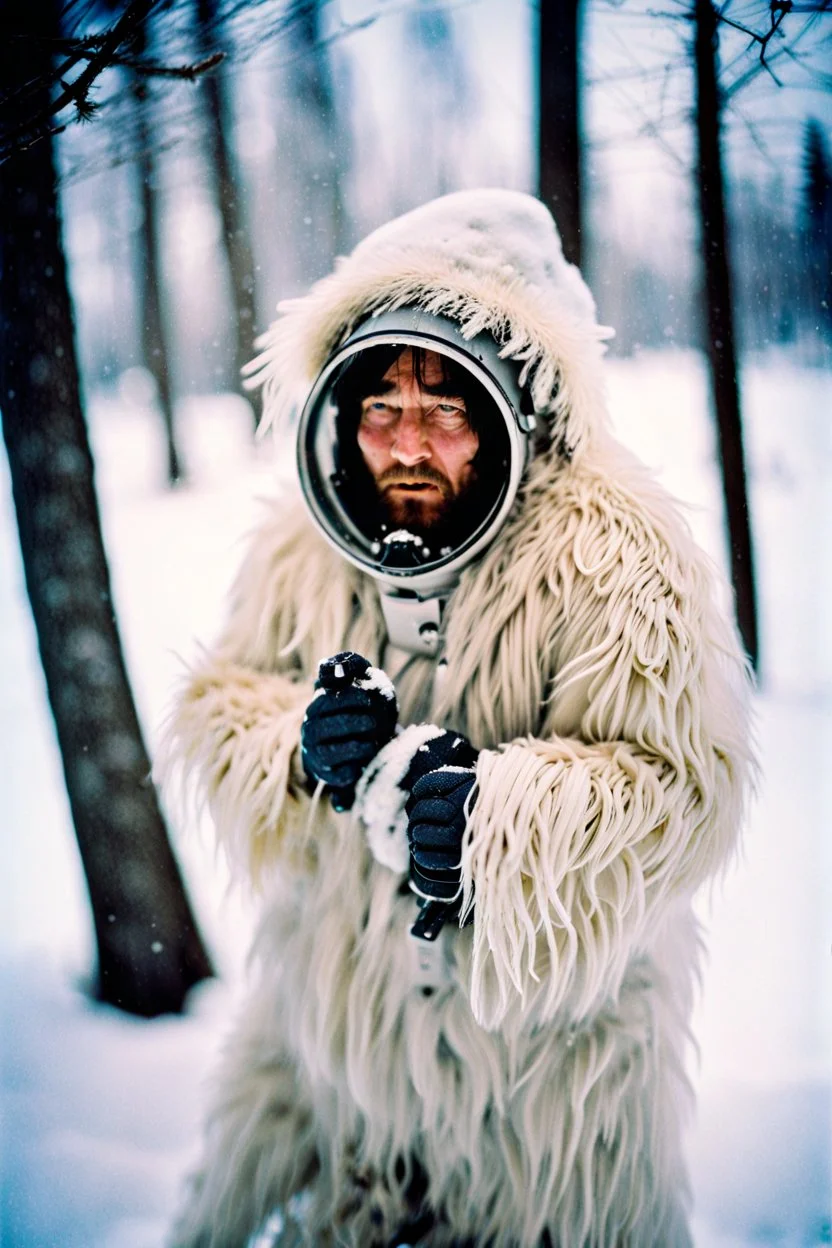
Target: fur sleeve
233, 732
629, 793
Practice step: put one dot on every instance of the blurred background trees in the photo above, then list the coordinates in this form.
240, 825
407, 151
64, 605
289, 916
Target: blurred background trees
214, 157
335, 114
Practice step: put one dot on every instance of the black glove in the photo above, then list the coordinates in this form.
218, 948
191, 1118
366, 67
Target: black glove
436, 813
351, 717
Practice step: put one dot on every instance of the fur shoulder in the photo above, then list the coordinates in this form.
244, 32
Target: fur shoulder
596, 581
647, 621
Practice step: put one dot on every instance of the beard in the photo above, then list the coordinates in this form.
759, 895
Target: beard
421, 500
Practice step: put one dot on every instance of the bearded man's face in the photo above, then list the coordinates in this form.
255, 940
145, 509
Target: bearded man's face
417, 441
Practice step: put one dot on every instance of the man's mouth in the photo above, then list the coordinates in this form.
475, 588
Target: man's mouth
413, 487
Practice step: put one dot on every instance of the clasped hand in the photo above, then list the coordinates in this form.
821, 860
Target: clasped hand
352, 715
440, 779
343, 730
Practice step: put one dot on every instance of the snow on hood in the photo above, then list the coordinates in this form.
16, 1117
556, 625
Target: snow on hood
491, 260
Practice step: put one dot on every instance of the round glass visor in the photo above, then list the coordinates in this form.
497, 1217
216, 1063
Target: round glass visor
403, 517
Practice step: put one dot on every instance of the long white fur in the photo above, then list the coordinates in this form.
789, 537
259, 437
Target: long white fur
588, 658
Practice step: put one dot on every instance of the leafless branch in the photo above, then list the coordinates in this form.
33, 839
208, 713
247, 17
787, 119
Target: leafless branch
150, 69
821, 79
29, 129
122, 33
784, 49
682, 15
756, 137
639, 74
778, 9
22, 127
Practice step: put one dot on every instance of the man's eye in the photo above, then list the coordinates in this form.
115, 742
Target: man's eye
450, 414
376, 409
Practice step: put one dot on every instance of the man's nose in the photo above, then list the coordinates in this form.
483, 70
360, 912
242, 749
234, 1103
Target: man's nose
410, 445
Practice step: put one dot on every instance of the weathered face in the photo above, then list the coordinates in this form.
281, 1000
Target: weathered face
417, 441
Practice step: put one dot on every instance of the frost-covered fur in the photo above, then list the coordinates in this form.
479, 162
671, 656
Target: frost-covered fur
537, 1097
493, 261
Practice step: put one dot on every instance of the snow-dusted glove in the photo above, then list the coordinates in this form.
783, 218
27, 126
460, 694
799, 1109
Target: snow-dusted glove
352, 715
442, 749
441, 777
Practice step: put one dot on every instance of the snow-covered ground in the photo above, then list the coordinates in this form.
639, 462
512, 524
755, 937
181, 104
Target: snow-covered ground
101, 1112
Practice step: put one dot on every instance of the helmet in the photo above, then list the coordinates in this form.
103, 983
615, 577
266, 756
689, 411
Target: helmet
415, 576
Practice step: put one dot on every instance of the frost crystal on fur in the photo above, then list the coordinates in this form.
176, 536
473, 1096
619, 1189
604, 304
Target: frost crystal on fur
540, 1090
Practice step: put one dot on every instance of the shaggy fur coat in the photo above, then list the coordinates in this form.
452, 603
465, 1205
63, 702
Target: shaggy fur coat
535, 1093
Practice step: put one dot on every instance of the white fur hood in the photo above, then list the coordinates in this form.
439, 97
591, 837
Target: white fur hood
491, 260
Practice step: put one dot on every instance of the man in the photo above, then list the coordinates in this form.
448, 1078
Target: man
478, 824
416, 438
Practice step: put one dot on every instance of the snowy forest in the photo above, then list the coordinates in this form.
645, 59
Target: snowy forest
170, 170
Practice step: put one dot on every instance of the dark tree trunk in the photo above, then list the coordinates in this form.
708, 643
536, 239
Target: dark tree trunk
559, 144
720, 346
816, 231
314, 87
149, 950
313, 149
148, 241
228, 192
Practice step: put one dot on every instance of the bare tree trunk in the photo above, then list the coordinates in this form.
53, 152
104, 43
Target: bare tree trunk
313, 147
720, 346
560, 117
149, 950
228, 192
154, 337
315, 93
